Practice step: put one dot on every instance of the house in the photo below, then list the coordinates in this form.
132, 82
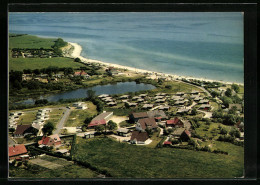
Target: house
134, 117
124, 97
53, 140
203, 102
182, 111
62, 151
145, 123
158, 97
89, 135
185, 135
167, 143
142, 95
205, 107
123, 132
81, 73
101, 119
111, 104
148, 106
176, 122
22, 130
160, 101
103, 95
186, 124
195, 92
198, 98
164, 107
194, 96
132, 104
179, 102
177, 98
140, 100
157, 113
139, 137
178, 132
18, 152
135, 98
180, 93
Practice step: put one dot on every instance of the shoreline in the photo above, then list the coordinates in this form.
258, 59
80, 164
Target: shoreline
78, 49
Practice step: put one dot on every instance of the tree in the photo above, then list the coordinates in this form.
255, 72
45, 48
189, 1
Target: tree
235, 87
233, 110
229, 119
91, 94
11, 130
36, 71
77, 60
100, 128
111, 125
149, 132
214, 94
194, 111
48, 128
228, 92
226, 101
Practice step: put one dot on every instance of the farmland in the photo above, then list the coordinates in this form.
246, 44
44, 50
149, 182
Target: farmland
177, 163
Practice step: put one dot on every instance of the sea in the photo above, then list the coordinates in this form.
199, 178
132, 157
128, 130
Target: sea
198, 44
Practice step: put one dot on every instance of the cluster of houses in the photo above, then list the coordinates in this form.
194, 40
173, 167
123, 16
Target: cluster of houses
41, 116
20, 153
80, 105
13, 117
33, 53
55, 77
107, 99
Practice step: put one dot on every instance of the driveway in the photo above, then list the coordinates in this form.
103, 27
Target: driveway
207, 114
59, 126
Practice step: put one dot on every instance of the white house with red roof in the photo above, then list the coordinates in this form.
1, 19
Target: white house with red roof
17, 152
53, 140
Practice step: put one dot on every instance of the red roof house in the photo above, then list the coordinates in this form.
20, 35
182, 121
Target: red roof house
94, 123
16, 151
176, 122
53, 140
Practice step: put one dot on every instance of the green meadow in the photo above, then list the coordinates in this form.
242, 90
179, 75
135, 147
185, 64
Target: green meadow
122, 160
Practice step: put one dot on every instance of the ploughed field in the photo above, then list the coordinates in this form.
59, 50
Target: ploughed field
122, 160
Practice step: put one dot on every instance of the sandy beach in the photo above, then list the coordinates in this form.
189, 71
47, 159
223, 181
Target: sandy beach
77, 51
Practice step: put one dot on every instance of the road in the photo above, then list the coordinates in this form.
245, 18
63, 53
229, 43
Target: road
62, 121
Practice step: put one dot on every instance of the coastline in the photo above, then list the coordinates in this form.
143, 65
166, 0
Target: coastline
77, 49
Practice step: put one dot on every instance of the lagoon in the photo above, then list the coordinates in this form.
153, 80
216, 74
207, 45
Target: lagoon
118, 88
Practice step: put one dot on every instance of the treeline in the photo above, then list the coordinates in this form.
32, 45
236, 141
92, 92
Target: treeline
49, 70
59, 43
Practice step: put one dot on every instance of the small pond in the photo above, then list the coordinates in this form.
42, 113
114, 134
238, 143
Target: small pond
118, 88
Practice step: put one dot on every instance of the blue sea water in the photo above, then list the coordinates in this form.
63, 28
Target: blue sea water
199, 44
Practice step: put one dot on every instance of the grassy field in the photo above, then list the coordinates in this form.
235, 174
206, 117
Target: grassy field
27, 118
18, 64
30, 42
66, 170
124, 161
55, 115
77, 117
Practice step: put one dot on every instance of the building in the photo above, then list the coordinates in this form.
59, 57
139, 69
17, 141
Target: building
205, 107
185, 135
145, 123
53, 140
101, 119
157, 113
22, 130
148, 106
134, 117
123, 132
176, 122
139, 137
18, 152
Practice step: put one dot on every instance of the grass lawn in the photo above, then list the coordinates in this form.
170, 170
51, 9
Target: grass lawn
55, 115
30, 42
124, 161
68, 170
18, 64
77, 117
27, 118
214, 105
155, 140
